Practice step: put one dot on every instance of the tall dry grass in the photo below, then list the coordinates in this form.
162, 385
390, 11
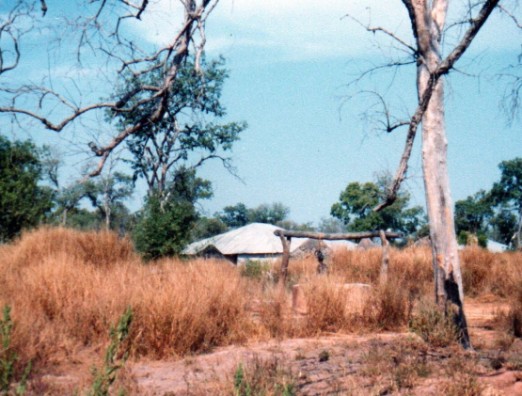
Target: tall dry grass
64, 299
67, 287
485, 273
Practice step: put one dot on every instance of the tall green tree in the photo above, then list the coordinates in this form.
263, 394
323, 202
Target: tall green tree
234, 215
67, 199
189, 134
24, 202
107, 194
268, 213
507, 194
207, 227
166, 221
239, 215
356, 203
472, 216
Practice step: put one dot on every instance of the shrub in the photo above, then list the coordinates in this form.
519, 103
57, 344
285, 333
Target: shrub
433, 326
9, 358
264, 378
390, 306
115, 357
255, 269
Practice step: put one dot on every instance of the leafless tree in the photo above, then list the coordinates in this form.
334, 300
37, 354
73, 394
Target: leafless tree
102, 33
428, 24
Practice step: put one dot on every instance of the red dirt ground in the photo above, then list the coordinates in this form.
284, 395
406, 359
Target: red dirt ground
331, 364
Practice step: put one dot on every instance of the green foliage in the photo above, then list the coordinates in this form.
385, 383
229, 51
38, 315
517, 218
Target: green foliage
507, 195
187, 135
240, 386
268, 213
356, 203
239, 215
263, 378
207, 227
504, 224
23, 202
107, 193
473, 213
165, 223
292, 225
466, 238
255, 269
8, 358
115, 356
235, 216
331, 225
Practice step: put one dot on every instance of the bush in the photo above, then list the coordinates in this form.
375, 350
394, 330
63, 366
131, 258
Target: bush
255, 269
23, 203
264, 378
164, 229
115, 357
433, 326
9, 358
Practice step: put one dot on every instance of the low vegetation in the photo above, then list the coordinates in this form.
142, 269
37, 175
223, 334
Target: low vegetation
67, 287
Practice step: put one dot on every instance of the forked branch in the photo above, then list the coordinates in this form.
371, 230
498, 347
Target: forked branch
443, 68
151, 100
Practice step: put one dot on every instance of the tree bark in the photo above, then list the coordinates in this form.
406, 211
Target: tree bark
449, 294
336, 237
286, 241
385, 262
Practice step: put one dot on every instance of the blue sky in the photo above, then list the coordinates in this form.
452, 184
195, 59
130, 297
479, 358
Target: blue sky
289, 66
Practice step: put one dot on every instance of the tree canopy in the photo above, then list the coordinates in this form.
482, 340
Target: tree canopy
24, 202
165, 222
187, 136
356, 203
239, 214
507, 194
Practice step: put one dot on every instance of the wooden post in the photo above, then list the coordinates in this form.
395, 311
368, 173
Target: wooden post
383, 279
286, 241
321, 265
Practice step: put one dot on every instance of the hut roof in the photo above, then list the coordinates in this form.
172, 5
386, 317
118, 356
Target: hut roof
255, 238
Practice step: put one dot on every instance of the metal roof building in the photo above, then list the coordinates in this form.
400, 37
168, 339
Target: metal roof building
254, 241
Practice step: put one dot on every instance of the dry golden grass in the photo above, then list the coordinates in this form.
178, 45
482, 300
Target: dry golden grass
491, 273
67, 287
62, 302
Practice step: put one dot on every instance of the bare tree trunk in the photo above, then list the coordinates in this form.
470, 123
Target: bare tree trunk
286, 241
107, 214
449, 292
519, 231
385, 262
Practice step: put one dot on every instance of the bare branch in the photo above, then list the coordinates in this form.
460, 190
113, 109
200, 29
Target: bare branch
390, 34
443, 68
43, 7
510, 14
165, 61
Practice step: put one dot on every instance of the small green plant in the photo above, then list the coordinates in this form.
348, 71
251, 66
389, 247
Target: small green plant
263, 378
115, 357
241, 387
8, 358
254, 269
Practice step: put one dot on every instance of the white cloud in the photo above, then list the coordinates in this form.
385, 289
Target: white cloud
293, 28
298, 29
